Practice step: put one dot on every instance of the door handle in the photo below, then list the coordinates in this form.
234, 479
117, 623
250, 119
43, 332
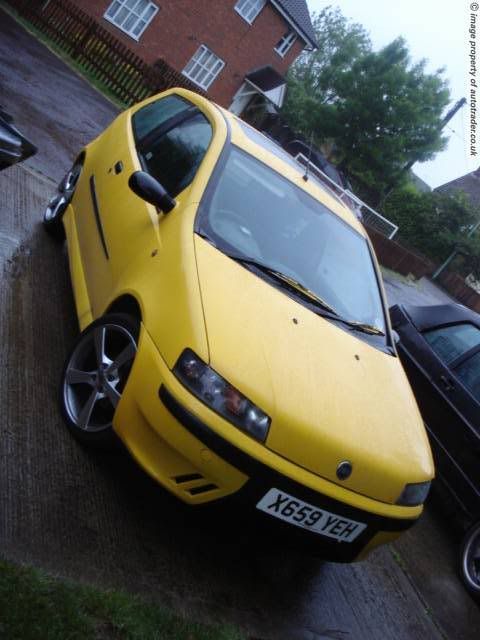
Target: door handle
447, 383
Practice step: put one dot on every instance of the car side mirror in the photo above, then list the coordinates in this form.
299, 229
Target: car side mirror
147, 188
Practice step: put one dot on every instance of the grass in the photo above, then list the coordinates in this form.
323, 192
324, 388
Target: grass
59, 52
34, 605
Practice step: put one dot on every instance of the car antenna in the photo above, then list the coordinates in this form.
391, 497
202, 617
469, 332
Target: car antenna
305, 177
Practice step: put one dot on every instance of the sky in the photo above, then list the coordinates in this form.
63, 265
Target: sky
437, 30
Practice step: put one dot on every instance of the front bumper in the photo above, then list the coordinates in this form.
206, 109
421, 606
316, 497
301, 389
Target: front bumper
179, 442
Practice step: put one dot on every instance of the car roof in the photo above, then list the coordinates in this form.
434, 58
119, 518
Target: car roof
268, 151
429, 317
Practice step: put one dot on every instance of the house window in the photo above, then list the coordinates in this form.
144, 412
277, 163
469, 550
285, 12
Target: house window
204, 67
131, 16
285, 43
249, 9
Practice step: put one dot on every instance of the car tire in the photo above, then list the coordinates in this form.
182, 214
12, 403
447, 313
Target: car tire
470, 560
53, 214
94, 377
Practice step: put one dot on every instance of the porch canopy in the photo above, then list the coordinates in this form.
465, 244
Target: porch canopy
265, 82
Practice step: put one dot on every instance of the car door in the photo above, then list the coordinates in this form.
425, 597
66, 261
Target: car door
454, 365
168, 138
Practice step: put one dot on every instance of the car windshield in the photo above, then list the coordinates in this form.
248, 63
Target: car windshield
256, 213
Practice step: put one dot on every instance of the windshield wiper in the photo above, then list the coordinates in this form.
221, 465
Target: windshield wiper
317, 300
294, 284
307, 293
364, 327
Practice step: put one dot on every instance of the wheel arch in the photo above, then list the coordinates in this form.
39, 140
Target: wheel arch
126, 303
80, 159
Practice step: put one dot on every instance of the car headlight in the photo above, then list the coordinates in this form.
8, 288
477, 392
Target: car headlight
221, 396
414, 494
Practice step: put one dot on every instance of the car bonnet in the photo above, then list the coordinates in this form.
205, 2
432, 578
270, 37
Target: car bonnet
330, 395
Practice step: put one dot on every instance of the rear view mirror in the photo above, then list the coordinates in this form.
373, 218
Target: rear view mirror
147, 188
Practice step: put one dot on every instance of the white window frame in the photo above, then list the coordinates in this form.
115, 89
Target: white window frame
203, 60
131, 11
285, 43
249, 9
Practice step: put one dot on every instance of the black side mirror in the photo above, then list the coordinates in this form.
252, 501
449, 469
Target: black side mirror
147, 188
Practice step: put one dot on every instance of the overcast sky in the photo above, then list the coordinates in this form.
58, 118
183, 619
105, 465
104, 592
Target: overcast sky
438, 31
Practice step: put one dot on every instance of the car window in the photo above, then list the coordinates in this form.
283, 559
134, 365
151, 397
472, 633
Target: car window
261, 214
469, 374
174, 156
452, 342
155, 114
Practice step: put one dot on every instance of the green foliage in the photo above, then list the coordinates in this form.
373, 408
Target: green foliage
468, 259
379, 109
436, 224
35, 606
312, 79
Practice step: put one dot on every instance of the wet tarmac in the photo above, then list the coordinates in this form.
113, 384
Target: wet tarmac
401, 290
53, 106
97, 518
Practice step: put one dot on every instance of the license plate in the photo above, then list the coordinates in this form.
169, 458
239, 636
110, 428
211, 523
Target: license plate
302, 514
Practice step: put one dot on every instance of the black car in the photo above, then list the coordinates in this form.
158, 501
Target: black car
440, 349
336, 178
14, 147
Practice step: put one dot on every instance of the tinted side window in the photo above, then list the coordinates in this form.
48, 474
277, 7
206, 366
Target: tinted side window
452, 342
469, 374
155, 114
174, 157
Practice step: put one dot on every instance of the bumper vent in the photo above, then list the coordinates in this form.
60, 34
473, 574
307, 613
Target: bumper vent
194, 483
188, 477
203, 489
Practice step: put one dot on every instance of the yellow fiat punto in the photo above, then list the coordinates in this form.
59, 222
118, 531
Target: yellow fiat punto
235, 335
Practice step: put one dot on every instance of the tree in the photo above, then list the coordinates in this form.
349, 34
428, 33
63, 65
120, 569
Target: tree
379, 110
312, 79
436, 224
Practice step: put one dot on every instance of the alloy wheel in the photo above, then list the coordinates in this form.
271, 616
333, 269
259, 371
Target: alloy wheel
55, 208
471, 559
96, 374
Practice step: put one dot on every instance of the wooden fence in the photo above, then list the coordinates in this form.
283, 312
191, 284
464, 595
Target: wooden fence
99, 52
455, 285
395, 256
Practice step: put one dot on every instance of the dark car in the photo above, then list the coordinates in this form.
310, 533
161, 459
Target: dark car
14, 147
330, 174
439, 347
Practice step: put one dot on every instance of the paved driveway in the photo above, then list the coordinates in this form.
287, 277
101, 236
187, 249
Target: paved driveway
99, 519
400, 290
55, 108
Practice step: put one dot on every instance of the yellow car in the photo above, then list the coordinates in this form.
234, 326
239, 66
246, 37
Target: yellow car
235, 335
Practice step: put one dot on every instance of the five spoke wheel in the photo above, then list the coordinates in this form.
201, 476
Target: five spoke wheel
96, 372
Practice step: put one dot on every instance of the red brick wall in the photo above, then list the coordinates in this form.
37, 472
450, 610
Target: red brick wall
180, 26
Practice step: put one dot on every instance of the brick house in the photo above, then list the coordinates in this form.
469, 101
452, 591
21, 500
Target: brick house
238, 51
